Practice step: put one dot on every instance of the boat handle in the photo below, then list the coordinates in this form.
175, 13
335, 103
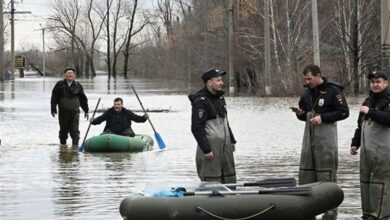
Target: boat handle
244, 218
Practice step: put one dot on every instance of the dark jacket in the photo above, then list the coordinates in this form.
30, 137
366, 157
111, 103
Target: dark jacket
206, 106
62, 90
379, 104
325, 100
118, 122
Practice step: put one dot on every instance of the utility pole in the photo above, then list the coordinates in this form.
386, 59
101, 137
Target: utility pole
231, 48
43, 52
12, 23
316, 38
267, 49
1, 42
12, 39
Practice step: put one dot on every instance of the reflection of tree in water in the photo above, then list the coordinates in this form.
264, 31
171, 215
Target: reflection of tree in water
68, 188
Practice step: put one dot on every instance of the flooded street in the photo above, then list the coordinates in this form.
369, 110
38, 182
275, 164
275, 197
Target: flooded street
40, 180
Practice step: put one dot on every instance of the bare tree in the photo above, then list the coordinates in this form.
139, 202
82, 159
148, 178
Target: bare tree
66, 15
96, 29
108, 37
131, 32
355, 31
116, 39
165, 12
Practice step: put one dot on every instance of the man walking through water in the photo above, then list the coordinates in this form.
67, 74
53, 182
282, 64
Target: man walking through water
321, 106
69, 96
210, 127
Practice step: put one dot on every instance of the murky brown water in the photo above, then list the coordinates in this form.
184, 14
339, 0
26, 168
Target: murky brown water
39, 180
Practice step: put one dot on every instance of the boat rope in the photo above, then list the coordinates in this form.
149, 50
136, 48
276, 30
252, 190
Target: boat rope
244, 218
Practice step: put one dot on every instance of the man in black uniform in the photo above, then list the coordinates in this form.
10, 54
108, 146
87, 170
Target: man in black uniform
373, 137
210, 127
70, 96
321, 106
118, 119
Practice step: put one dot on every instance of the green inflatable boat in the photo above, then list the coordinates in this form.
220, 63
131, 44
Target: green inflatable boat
118, 143
261, 205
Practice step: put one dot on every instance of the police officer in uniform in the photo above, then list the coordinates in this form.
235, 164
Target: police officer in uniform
321, 106
372, 136
69, 96
210, 127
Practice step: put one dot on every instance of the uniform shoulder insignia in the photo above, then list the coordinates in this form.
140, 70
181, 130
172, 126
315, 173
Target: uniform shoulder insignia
201, 113
340, 98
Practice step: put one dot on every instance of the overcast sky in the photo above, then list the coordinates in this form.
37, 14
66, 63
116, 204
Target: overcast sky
28, 32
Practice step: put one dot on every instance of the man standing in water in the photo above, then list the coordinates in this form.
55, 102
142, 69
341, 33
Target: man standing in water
373, 137
210, 127
321, 106
70, 96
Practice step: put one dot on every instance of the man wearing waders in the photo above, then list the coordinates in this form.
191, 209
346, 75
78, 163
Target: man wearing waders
321, 106
69, 96
210, 127
372, 136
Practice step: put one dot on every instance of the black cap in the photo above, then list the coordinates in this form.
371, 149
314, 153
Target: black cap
212, 73
377, 74
69, 68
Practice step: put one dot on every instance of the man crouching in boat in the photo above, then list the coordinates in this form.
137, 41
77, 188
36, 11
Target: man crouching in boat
118, 119
210, 127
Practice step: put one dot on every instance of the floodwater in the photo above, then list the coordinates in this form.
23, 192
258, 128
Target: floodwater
40, 180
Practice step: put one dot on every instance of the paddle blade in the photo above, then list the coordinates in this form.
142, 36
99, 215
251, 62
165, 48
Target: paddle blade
159, 140
81, 148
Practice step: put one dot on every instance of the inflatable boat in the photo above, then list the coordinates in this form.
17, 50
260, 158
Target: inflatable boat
118, 143
300, 203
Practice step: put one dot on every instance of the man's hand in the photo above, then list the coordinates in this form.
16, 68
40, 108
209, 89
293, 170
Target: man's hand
354, 150
209, 156
299, 112
364, 109
316, 120
53, 114
146, 116
86, 115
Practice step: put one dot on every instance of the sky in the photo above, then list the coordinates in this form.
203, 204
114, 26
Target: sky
28, 32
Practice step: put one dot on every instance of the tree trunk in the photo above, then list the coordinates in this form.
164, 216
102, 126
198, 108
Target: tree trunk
108, 41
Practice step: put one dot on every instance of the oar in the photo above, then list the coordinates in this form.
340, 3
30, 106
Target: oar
81, 148
299, 191
281, 182
159, 140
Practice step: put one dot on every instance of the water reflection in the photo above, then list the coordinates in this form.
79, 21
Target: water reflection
68, 182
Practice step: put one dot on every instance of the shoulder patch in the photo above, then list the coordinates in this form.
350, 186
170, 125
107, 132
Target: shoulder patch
340, 98
201, 113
